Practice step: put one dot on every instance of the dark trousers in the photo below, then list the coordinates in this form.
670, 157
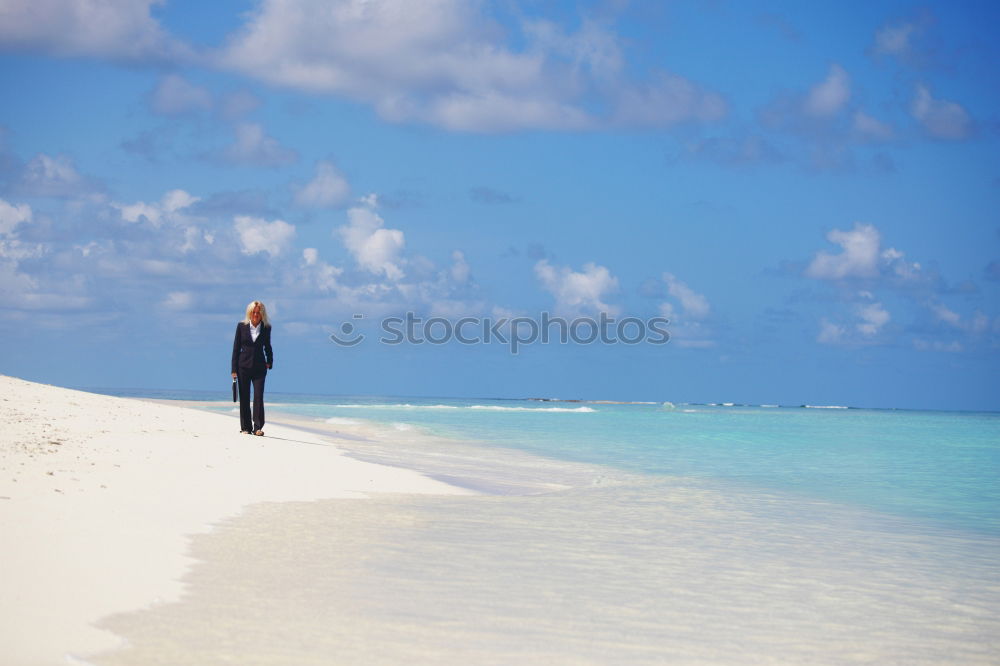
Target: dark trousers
256, 377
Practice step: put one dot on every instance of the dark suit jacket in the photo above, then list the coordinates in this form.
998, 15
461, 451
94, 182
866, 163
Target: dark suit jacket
250, 355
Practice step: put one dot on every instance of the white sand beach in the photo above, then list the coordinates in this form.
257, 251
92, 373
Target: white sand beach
98, 496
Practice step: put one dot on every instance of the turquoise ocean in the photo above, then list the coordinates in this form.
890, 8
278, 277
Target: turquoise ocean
630, 533
937, 467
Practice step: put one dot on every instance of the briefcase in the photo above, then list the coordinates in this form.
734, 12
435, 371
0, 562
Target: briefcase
234, 389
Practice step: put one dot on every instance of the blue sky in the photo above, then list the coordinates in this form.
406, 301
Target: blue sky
807, 191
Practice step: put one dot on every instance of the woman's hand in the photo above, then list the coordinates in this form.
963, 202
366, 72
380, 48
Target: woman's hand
234, 375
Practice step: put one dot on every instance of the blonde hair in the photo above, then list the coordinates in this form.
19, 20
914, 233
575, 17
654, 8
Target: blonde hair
263, 313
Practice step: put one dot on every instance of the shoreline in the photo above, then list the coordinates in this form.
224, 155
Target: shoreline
100, 496
489, 470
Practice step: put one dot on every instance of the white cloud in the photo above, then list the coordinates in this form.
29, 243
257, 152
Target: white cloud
821, 124
946, 315
175, 200
695, 305
830, 333
902, 269
862, 257
593, 47
172, 203
869, 320
48, 176
431, 60
460, 270
902, 41
735, 150
237, 104
941, 119
873, 317
110, 28
894, 40
829, 96
326, 190
253, 146
258, 235
489, 111
577, 291
375, 248
323, 275
27, 283
668, 100
139, 211
17, 250
174, 95
11, 216
180, 230
14, 285
871, 129
40, 292
687, 314
977, 324
194, 237
178, 300
446, 63
157, 256
859, 257
938, 345
685, 330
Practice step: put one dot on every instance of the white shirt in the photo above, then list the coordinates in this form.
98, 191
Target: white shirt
255, 331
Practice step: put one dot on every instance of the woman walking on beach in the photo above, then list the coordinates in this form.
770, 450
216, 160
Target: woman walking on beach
252, 358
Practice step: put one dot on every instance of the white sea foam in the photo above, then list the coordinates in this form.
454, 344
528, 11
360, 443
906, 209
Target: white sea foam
498, 408
826, 407
404, 405
337, 420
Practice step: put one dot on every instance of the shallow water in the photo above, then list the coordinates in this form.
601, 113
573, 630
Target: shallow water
642, 535
646, 573
942, 467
